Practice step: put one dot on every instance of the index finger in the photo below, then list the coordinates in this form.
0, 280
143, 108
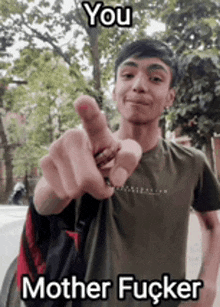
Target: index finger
95, 124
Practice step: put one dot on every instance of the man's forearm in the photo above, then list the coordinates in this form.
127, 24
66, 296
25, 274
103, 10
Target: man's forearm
211, 257
211, 260
46, 201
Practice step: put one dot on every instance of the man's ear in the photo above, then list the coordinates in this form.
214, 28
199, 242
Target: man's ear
170, 97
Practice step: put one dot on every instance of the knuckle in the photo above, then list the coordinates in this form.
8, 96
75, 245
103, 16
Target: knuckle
69, 134
89, 181
55, 148
74, 193
74, 136
86, 183
94, 186
69, 187
69, 192
105, 194
128, 159
129, 155
45, 161
132, 146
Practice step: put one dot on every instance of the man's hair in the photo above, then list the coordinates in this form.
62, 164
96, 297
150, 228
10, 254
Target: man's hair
150, 48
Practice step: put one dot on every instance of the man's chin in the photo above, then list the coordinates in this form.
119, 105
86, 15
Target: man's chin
138, 118
142, 121
138, 121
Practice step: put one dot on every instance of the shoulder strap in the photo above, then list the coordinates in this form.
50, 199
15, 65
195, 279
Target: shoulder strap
88, 210
72, 261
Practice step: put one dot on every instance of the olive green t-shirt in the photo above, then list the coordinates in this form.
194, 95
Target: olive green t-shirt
142, 229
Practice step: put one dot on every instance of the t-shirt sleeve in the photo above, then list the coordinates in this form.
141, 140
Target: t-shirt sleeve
207, 191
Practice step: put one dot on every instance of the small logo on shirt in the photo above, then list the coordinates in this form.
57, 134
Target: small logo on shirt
141, 190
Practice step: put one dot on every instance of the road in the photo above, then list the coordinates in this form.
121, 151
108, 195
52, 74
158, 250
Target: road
11, 225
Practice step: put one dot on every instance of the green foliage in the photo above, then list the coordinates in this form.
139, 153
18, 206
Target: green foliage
192, 25
26, 159
197, 107
50, 90
73, 59
45, 103
8, 7
49, 23
194, 32
15, 130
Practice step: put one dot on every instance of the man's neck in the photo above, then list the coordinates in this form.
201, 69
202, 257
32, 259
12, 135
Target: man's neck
146, 135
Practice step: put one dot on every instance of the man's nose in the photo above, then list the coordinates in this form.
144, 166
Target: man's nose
140, 84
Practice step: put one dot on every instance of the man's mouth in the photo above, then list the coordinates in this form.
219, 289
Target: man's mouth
138, 101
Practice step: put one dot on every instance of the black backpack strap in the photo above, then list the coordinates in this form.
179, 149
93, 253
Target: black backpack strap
88, 210
69, 243
10, 295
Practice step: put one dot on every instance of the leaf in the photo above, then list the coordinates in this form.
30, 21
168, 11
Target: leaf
197, 40
217, 89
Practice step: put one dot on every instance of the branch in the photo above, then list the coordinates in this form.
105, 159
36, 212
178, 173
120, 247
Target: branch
19, 82
47, 38
11, 145
79, 20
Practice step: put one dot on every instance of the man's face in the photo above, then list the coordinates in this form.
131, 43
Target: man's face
142, 89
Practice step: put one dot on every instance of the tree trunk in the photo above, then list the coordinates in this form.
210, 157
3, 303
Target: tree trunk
27, 187
50, 129
7, 156
94, 38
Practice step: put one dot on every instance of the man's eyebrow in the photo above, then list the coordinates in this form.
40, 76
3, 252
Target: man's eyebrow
154, 67
150, 68
129, 63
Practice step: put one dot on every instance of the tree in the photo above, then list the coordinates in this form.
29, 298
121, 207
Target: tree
36, 112
46, 104
194, 31
49, 23
6, 40
7, 143
7, 157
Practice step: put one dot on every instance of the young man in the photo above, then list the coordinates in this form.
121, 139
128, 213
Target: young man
140, 230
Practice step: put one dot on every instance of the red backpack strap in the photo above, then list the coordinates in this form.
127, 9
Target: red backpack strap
30, 260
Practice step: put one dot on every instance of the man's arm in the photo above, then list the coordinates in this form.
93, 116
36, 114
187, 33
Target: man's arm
46, 200
70, 169
210, 226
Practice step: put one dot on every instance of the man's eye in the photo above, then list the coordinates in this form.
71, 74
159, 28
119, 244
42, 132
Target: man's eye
156, 79
127, 76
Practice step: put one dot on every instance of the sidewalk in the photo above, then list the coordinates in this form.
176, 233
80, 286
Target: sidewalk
194, 253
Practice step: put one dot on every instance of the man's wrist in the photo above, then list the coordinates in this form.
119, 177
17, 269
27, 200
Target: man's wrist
46, 200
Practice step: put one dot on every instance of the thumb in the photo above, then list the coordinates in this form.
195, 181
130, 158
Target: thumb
126, 162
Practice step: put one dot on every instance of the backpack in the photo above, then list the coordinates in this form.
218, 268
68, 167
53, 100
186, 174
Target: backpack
55, 252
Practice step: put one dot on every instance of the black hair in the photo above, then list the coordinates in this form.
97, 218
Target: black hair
150, 48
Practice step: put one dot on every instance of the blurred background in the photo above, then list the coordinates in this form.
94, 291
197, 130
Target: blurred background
49, 56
